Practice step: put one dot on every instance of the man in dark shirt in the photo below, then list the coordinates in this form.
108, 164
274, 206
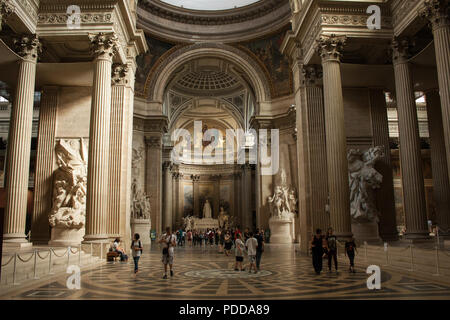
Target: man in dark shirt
260, 248
350, 249
332, 249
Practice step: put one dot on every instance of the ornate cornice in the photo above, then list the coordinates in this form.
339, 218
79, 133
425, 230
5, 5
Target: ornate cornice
331, 47
153, 142
104, 45
199, 17
28, 47
6, 9
437, 12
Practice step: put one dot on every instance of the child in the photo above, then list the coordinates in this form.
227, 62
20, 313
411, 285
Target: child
350, 249
136, 247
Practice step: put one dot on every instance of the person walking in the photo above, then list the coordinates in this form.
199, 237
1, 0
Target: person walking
136, 249
251, 244
332, 249
317, 246
350, 249
260, 248
169, 241
239, 252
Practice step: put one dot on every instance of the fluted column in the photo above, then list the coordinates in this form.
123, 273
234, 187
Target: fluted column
195, 193
153, 179
43, 185
19, 143
314, 121
176, 212
216, 202
237, 197
410, 150
439, 165
437, 11
118, 153
330, 49
385, 195
246, 196
167, 167
104, 47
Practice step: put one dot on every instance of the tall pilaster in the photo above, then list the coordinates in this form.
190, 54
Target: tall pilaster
246, 216
43, 186
330, 49
313, 118
216, 202
104, 47
176, 211
19, 143
153, 179
439, 165
119, 149
167, 168
195, 194
410, 151
438, 12
385, 195
237, 197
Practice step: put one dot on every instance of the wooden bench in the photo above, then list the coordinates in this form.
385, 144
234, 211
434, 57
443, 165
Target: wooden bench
112, 256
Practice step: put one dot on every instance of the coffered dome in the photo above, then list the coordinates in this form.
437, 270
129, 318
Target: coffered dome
207, 80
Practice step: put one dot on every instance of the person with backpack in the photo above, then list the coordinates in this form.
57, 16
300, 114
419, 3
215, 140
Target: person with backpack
350, 249
332, 249
136, 249
169, 241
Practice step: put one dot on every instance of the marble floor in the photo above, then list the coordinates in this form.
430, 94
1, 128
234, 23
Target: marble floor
203, 273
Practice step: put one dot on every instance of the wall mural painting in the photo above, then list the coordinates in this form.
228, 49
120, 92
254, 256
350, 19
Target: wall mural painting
188, 200
268, 52
205, 192
146, 61
225, 197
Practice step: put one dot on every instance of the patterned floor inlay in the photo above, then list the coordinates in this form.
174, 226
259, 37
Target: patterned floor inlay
206, 274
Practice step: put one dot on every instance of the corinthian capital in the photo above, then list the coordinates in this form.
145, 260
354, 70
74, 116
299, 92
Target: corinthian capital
104, 45
28, 47
401, 49
437, 12
331, 47
119, 74
6, 9
312, 74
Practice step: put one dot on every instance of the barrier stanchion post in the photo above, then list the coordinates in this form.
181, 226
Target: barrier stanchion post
101, 251
437, 262
14, 270
35, 264
92, 252
79, 257
387, 253
412, 257
50, 261
365, 251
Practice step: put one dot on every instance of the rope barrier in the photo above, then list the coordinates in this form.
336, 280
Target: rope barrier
73, 251
48, 253
57, 255
4, 265
26, 260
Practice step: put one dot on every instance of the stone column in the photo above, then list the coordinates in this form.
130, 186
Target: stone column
439, 166
19, 144
330, 49
118, 160
312, 115
43, 186
6, 9
195, 188
167, 221
385, 195
216, 203
437, 11
236, 197
104, 47
246, 196
410, 151
153, 179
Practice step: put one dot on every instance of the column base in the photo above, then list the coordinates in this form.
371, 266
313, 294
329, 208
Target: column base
95, 239
16, 240
417, 237
16, 245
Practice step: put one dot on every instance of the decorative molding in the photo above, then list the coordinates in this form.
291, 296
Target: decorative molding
401, 49
312, 75
153, 142
119, 74
86, 18
437, 12
6, 9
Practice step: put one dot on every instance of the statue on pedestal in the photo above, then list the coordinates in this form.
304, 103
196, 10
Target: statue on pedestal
223, 219
207, 212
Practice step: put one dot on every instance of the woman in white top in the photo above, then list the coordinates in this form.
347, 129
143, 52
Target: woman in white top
240, 247
136, 248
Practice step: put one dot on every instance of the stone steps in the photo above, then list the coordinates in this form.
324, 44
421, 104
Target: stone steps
26, 270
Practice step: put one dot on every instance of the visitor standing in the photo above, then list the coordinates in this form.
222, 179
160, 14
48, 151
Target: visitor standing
251, 244
317, 250
136, 249
350, 249
239, 251
332, 249
260, 248
246, 235
168, 240
228, 243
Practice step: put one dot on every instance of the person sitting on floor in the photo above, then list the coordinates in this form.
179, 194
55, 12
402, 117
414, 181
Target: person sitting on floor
121, 251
